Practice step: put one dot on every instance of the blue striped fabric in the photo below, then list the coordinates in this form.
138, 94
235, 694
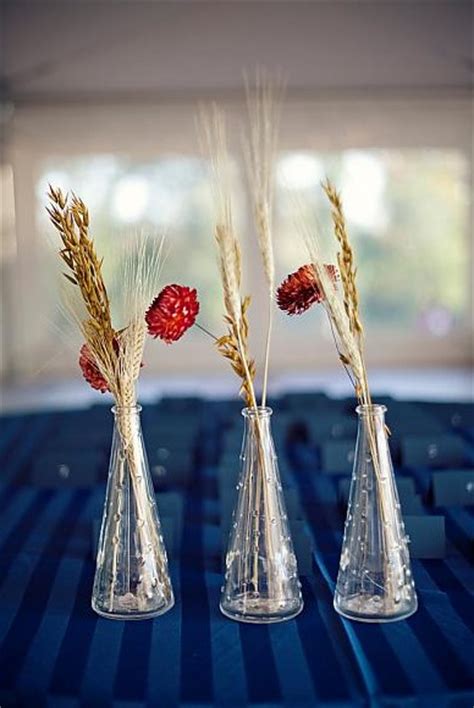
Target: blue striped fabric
55, 652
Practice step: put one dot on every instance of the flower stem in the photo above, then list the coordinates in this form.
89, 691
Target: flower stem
267, 352
346, 368
206, 331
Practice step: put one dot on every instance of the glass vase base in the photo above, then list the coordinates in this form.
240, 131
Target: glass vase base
256, 610
125, 610
369, 608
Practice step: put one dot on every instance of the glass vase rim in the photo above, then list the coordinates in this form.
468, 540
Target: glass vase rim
372, 408
260, 412
137, 408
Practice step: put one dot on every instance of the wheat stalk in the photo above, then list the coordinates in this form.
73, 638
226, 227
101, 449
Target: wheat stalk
260, 142
140, 276
234, 344
347, 342
345, 259
228, 346
70, 218
118, 354
348, 271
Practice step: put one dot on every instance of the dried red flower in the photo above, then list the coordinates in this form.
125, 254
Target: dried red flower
90, 370
301, 289
172, 312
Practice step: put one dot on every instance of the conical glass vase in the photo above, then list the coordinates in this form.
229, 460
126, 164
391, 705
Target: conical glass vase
131, 579
261, 579
374, 582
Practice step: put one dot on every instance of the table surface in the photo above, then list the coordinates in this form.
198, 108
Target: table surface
54, 651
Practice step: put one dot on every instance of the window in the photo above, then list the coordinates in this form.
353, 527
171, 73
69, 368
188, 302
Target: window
139, 169
407, 212
168, 196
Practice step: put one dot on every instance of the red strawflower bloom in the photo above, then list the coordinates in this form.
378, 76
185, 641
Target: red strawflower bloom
90, 370
300, 290
172, 312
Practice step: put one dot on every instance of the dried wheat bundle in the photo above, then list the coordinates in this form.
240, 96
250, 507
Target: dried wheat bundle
316, 283
70, 217
111, 358
347, 270
234, 344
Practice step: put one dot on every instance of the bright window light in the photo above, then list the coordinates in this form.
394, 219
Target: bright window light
363, 186
299, 171
130, 198
407, 214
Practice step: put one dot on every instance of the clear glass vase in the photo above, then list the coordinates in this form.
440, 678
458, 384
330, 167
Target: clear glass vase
374, 582
131, 579
261, 579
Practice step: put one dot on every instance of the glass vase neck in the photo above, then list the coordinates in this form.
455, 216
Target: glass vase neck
260, 413
126, 410
374, 410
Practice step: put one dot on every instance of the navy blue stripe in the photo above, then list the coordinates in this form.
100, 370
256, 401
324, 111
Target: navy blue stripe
74, 651
393, 682
368, 675
440, 651
28, 618
196, 652
6, 495
18, 457
371, 639
316, 633
132, 672
461, 600
26, 523
263, 685
458, 536
163, 661
34, 677
10, 433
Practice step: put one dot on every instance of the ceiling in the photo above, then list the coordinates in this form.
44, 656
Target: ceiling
69, 50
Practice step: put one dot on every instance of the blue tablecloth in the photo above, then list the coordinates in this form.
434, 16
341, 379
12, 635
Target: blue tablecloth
54, 651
